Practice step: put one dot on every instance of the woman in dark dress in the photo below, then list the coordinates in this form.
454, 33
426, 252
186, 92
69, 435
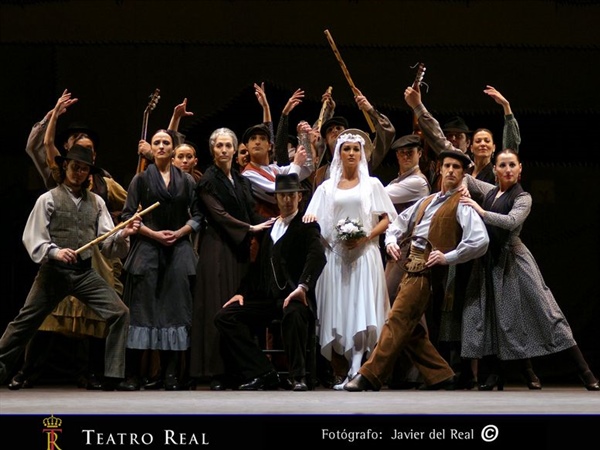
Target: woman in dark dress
509, 313
161, 266
225, 199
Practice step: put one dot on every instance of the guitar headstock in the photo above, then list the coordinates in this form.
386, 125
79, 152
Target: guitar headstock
154, 98
419, 76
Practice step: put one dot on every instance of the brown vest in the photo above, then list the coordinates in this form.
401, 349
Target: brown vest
444, 232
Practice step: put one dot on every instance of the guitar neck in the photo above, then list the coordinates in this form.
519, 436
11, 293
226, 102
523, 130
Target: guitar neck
145, 125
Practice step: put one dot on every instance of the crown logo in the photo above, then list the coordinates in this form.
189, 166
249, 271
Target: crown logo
52, 422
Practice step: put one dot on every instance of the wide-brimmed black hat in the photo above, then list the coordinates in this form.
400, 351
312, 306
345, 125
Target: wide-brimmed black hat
260, 128
408, 141
456, 124
74, 128
456, 154
80, 154
335, 120
288, 183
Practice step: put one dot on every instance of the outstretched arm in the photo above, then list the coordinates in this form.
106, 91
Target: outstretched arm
511, 135
385, 131
37, 152
62, 104
261, 96
427, 123
281, 138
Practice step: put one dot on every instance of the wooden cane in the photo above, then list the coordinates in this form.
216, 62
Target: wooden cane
117, 228
347, 75
323, 109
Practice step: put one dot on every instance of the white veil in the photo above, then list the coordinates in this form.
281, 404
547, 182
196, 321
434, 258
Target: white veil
328, 221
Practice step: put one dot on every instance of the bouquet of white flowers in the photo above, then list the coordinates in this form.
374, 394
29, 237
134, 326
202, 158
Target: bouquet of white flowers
349, 229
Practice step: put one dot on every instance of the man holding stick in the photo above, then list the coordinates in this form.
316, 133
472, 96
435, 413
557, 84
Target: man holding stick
335, 125
62, 221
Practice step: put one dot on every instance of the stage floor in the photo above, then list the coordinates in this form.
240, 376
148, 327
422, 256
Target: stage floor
517, 399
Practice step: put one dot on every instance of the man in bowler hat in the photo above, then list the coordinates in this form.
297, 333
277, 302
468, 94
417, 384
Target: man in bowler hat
280, 285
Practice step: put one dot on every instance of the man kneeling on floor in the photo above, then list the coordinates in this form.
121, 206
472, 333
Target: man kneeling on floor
279, 285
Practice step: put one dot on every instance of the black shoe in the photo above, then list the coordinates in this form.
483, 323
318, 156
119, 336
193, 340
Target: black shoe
217, 384
359, 383
19, 381
172, 383
465, 382
94, 382
589, 381
492, 381
152, 385
288, 384
269, 381
531, 379
300, 385
119, 384
449, 384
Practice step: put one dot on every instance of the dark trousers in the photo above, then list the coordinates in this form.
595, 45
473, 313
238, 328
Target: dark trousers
242, 354
51, 285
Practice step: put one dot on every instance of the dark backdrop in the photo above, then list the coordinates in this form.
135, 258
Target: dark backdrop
542, 55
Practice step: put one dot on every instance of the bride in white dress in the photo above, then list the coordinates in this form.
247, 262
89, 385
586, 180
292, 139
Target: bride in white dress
352, 297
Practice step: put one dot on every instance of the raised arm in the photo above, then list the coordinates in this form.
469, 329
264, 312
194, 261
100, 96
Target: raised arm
37, 152
511, 135
64, 101
178, 112
429, 126
384, 130
281, 138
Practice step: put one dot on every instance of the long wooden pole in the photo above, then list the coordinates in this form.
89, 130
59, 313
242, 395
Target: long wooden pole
323, 109
117, 228
347, 75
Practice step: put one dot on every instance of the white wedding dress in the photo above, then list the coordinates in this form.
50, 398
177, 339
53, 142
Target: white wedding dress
352, 298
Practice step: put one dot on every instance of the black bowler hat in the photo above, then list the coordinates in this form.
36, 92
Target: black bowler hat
408, 141
288, 183
456, 154
456, 124
335, 120
74, 128
261, 128
80, 154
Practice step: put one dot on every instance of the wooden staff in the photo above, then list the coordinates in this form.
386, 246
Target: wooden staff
347, 75
117, 228
323, 109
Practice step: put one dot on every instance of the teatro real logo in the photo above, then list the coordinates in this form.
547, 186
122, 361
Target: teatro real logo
52, 428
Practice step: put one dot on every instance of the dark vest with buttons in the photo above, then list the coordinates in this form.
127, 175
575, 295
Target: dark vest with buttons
72, 226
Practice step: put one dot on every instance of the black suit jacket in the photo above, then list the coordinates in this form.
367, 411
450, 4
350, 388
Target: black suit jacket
298, 257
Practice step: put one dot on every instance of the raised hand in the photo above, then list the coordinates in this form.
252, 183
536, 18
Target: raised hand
412, 97
361, 101
261, 95
294, 101
181, 110
498, 98
328, 98
64, 101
